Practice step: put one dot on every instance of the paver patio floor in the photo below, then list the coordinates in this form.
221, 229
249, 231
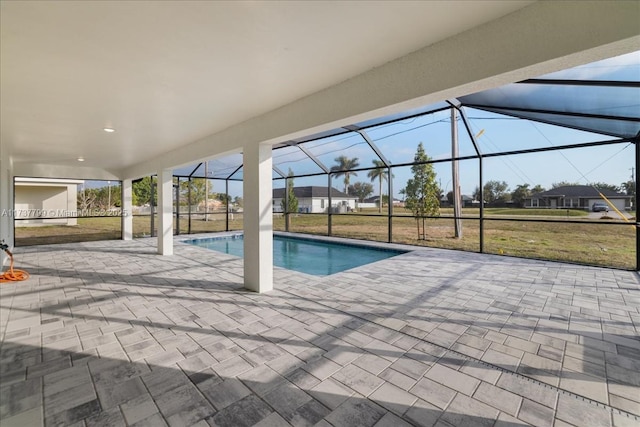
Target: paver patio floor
110, 333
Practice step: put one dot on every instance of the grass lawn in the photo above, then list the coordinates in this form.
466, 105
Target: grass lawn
610, 243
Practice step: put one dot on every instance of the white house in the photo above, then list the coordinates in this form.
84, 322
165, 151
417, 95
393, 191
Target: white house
45, 201
315, 199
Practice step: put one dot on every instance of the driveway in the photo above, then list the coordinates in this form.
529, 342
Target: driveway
610, 214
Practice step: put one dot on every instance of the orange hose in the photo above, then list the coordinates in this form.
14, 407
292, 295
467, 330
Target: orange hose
12, 275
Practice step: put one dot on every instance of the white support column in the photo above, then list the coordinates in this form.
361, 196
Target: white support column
165, 212
6, 203
127, 212
258, 218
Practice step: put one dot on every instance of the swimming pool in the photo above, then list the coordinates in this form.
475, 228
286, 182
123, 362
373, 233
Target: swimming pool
308, 256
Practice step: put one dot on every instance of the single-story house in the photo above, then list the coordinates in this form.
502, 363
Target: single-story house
315, 199
467, 202
576, 197
372, 202
53, 199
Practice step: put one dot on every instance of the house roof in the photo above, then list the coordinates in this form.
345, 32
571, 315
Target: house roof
312, 191
584, 191
374, 199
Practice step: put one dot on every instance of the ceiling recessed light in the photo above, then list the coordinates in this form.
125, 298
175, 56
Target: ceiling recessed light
110, 130
81, 159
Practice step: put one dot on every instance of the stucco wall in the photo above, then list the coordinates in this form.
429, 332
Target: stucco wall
34, 201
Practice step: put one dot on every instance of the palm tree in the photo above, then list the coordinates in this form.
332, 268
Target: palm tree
343, 168
380, 173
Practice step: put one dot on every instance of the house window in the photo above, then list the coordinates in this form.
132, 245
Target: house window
322, 203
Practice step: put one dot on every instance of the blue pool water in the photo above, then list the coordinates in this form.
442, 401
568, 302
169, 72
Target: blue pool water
304, 255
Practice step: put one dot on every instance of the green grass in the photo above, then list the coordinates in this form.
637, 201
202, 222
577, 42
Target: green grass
475, 212
610, 243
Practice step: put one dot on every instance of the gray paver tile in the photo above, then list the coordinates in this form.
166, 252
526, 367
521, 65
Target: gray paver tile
423, 414
155, 420
262, 379
620, 420
243, 413
579, 412
480, 371
161, 381
308, 414
321, 368
453, 379
286, 399
232, 367
73, 415
31, 417
138, 409
372, 363
467, 411
433, 393
502, 360
358, 379
410, 367
68, 399
356, 412
302, 379
536, 392
197, 362
109, 418
584, 385
225, 393
625, 404
536, 414
331, 393
272, 420
184, 406
393, 398
111, 394
498, 398
398, 379
19, 397
391, 420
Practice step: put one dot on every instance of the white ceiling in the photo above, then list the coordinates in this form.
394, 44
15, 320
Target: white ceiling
165, 74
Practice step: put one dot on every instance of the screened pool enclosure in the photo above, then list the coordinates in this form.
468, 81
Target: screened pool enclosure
513, 171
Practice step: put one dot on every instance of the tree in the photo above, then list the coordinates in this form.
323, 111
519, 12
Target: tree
520, 194
142, 191
422, 190
86, 198
564, 184
604, 186
537, 189
381, 173
449, 197
476, 195
223, 197
289, 203
199, 188
361, 190
495, 191
629, 189
343, 168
